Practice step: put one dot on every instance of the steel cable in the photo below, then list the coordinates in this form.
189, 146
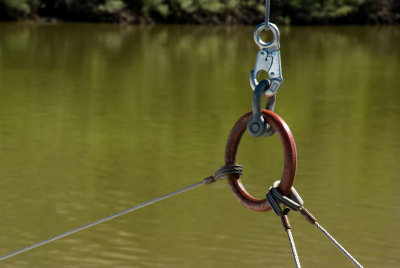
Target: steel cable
267, 12
219, 174
338, 245
294, 202
110, 217
293, 246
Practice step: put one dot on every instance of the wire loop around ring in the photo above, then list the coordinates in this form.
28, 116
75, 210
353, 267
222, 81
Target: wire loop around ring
290, 159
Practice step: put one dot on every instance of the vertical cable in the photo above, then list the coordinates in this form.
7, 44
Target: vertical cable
293, 246
267, 12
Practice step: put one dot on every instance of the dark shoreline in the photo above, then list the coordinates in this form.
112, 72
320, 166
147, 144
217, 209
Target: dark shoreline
216, 12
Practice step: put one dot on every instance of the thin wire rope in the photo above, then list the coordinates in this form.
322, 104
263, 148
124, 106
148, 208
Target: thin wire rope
339, 246
293, 246
112, 216
267, 12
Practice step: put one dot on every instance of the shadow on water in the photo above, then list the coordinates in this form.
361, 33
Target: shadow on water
95, 118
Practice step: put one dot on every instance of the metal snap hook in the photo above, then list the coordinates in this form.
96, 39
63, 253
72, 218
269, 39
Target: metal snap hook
268, 60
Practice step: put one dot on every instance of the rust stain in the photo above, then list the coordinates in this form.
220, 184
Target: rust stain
290, 159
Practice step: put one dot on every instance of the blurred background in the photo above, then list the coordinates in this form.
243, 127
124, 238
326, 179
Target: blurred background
204, 11
97, 117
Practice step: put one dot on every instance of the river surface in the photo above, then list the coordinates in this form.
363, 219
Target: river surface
97, 118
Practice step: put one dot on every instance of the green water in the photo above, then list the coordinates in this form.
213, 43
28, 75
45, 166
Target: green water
97, 118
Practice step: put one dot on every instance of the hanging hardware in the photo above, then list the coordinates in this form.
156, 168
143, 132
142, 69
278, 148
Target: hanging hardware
290, 159
293, 201
268, 60
257, 126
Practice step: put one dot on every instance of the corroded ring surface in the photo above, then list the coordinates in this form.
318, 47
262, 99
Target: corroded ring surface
290, 159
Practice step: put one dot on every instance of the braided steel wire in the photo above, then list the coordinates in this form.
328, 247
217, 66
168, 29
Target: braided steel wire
221, 172
338, 245
96, 222
293, 247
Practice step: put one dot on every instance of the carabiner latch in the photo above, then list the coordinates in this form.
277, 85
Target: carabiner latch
256, 125
268, 60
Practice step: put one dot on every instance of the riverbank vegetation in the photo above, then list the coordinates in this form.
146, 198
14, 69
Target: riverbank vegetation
204, 11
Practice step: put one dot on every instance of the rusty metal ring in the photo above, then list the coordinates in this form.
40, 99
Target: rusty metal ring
290, 159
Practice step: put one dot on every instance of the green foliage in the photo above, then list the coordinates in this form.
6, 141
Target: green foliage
212, 6
17, 5
155, 6
206, 11
112, 6
191, 6
328, 9
231, 4
14, 9
188, 6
